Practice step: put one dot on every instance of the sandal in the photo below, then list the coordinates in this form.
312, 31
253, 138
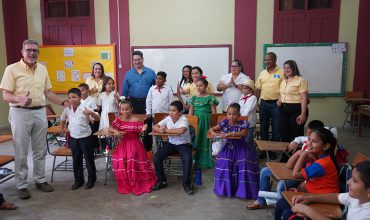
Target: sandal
254, 206
7, 206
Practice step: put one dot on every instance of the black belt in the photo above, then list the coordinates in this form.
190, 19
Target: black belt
30, 108
270, 101
138, 99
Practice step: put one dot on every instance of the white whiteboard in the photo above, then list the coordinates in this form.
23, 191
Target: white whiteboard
323, 65
213, 59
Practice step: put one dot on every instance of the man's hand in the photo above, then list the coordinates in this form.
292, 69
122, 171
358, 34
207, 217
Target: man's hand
25, 100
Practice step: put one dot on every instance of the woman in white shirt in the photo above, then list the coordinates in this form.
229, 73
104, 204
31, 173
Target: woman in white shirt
230, 84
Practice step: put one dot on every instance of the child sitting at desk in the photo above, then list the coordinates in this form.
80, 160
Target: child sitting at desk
180, 142
237, 171
133, 171
357, 199
79, 117
266, 173
317, 167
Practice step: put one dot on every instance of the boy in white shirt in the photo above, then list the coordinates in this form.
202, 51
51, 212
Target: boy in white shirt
159, 96
79, 117
87, 100
177, 124
90, 102
357, 199
157, 101
248, 105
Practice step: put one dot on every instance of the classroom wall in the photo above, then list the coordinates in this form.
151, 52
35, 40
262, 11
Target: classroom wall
178, 22
194, 22
3, 106
328, 109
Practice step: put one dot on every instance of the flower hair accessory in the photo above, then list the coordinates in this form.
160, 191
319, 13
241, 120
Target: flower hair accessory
229, 103
203, 77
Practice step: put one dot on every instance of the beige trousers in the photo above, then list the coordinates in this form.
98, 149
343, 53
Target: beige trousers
29, 127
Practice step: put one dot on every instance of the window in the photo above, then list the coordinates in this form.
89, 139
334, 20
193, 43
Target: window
299, 21
68, 21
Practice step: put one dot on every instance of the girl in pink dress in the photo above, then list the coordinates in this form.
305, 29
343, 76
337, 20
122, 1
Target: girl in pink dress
133, 171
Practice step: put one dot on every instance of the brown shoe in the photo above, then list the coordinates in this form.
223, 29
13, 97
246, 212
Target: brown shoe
24, 193
45, 187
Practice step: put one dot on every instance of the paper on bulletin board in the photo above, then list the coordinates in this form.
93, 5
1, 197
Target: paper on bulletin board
71, 65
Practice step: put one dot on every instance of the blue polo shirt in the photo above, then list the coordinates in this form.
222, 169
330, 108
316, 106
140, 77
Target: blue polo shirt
137, 85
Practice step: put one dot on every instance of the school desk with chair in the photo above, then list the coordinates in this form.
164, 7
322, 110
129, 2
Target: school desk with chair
329, 210
271, 146
282, 172
6, 159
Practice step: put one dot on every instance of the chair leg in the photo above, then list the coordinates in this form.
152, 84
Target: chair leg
106, 170
52, 171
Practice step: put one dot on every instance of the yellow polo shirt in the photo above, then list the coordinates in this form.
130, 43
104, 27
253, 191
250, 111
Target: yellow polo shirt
291, 89
193, 89
93, 84
269, 83
19, 79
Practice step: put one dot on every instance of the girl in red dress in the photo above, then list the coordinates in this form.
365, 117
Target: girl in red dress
133, 171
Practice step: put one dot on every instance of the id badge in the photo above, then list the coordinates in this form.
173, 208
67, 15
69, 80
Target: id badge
276, 76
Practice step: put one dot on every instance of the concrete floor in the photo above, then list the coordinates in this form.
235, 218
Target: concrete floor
104, 202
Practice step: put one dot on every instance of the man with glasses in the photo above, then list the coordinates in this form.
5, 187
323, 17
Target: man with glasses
268, 89
25, 85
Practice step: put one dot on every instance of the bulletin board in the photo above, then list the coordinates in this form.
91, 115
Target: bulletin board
323, 65
70, 65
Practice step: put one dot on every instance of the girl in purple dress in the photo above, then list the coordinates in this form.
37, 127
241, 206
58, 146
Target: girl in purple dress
237, 171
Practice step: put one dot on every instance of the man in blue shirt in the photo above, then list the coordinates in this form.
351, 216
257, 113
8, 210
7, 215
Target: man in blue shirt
136, 86
137, 83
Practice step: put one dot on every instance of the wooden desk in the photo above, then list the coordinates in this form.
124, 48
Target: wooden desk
55, 130
281, 172
209, 136
329, 210
106, 132
271, 146
352, 103
5, 137
53, 116
362, 112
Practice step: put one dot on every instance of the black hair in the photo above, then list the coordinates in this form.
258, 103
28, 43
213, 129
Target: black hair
139, 53
102, 70
239, 64
197, 68
162, 73
105, 81
293, 65
178, 105
315, 124
189, 80
234, 105
364, 169
272, 55
126, 101
328, 138
204, 81
84, 85
75, 91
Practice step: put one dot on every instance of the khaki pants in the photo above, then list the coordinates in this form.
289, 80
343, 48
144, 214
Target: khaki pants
29, 127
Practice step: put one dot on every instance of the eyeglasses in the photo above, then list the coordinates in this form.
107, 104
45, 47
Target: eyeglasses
234, 66
31, 50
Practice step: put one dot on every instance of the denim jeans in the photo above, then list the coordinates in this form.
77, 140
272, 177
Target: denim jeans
265, 184
269, 112
250, 138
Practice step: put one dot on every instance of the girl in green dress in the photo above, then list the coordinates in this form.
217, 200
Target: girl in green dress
203, 105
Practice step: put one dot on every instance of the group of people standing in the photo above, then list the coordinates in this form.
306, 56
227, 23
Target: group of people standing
26, 84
